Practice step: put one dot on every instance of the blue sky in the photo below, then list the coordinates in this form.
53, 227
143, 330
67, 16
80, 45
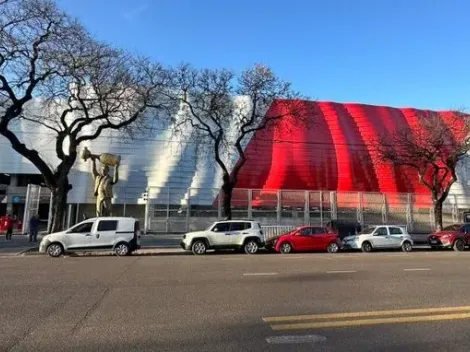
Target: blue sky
406, 53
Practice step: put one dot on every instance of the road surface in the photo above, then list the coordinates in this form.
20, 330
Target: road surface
388, 301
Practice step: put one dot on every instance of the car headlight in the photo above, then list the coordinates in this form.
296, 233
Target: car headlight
446, 236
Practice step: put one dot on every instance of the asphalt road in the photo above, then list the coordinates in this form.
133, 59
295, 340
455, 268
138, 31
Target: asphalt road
230, 302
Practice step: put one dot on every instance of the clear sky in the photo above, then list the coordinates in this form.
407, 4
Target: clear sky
390, 52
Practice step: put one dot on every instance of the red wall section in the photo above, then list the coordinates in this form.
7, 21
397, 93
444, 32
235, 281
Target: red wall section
336, 152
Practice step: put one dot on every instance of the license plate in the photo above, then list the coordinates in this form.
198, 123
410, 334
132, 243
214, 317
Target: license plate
434, 242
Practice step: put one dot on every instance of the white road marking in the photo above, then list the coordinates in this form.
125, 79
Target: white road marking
291, 339
341, 271
417, 269
259, 274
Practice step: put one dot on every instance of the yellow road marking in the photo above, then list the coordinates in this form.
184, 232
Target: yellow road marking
366, 314
363, 322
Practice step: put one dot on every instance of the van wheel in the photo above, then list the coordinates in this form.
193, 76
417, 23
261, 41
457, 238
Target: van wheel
366, 247
251, 247
122, 249
199, 248
55, 250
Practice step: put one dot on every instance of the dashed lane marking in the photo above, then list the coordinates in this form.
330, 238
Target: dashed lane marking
259, 274
294, 339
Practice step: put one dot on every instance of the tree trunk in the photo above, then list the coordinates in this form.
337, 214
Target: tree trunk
59, 206
437, 210
227, 189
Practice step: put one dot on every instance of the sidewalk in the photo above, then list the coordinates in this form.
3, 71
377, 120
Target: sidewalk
17, 245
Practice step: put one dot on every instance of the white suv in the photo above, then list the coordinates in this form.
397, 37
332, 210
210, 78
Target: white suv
380, 236
121, 235
229, 234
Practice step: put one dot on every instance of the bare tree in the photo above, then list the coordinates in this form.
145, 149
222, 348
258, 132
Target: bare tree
433, 149
82, 87
224, 110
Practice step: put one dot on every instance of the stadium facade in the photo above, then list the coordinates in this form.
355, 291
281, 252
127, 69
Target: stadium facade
293, 175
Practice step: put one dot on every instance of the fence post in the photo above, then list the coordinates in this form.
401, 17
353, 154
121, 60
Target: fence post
188, 209
307, 207
455, 210
26, 210
77, 213
147, 211
384, 209
334, 208
250, 200
321, 208
278, 208
360, 215
219, 205
409, 213
167, 222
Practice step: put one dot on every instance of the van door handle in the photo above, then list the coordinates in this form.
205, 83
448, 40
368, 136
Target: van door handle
245, 233
88, 234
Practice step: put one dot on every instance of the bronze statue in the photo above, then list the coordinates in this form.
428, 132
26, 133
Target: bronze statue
103, 190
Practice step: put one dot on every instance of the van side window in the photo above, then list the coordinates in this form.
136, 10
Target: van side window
107, 225
82, 228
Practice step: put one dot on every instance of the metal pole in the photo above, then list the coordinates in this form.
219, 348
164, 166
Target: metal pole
306, 208
279, 207
26, 211
124, 209
69, 216
77, 213
168, 211
250, 200
321, 208
49, 216
146, 214
188, 209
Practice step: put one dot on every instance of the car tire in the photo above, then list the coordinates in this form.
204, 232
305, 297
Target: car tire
333, 247
251, 247
199, 247
366, 247
55, 250
285, 248
406, 246
122, 249
459, 245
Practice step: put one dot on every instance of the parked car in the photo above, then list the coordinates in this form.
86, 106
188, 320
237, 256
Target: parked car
344, 228
119, 234
456, 236
380, 237
308, 238
230, 234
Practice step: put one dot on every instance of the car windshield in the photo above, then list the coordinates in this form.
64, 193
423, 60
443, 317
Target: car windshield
454, 227
367, 231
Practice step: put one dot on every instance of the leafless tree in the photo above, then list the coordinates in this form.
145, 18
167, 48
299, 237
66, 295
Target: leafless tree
82, 86
433, 149
224, 110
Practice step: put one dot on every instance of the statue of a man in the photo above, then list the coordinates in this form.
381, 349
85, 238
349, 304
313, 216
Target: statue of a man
104, 188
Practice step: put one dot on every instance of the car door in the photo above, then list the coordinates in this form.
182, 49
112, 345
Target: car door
104, 235
220, 235
304, 240
379, 238
237, 232
79, 236
466, 233
396, 236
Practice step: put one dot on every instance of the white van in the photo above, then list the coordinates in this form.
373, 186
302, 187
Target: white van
121, 235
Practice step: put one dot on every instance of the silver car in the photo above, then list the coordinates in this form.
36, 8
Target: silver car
380, 237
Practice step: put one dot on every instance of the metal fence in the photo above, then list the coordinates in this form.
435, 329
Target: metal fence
176, 210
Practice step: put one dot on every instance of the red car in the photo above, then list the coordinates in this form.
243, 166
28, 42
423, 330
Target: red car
308, 238
455, 236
